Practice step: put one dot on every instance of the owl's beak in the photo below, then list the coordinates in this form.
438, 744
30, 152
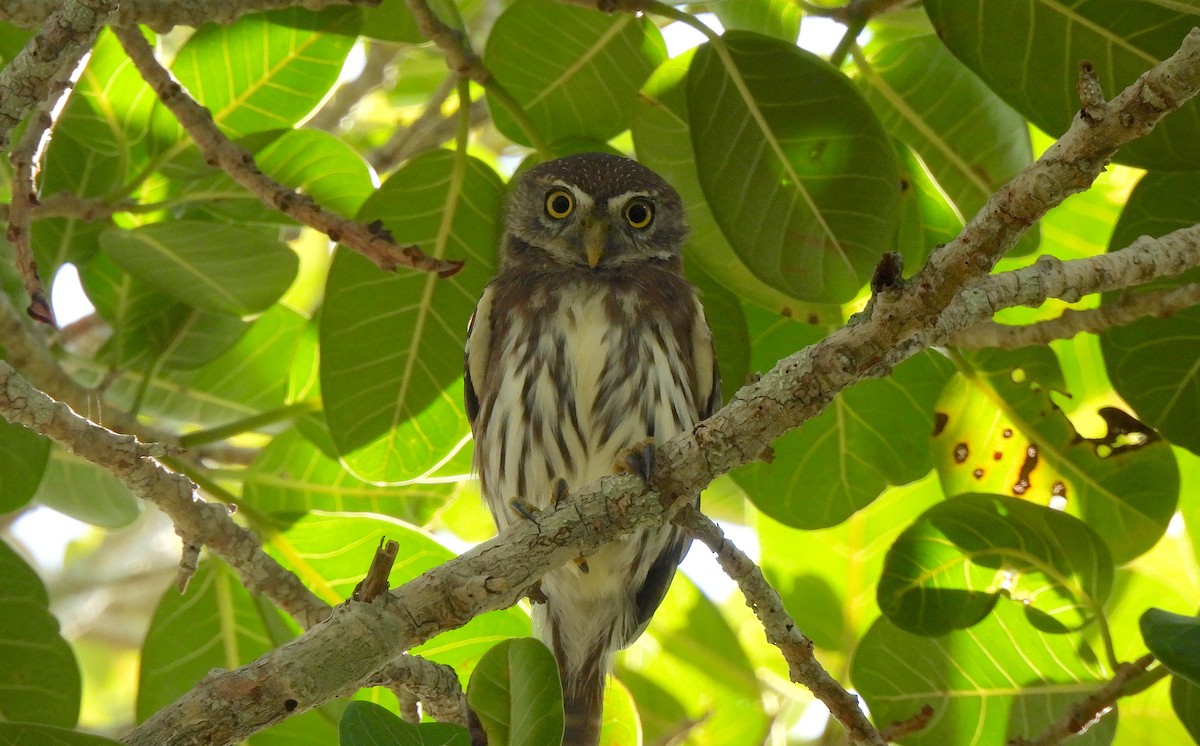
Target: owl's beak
594, 239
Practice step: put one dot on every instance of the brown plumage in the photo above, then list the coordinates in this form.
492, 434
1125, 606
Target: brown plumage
588, 342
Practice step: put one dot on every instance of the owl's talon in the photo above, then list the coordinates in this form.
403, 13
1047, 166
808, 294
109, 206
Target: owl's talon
637, 459
536, 594
560, 492
582, 564
525, 509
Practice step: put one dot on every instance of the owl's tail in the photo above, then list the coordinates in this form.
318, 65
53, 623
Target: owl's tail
583, 700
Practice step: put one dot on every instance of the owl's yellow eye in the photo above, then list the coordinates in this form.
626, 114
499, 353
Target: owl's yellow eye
559, 203
639, 213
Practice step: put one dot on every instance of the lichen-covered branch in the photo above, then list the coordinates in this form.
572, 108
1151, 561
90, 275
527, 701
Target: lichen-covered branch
47, 60
780, 628
135, 464
369, 240
163, 15
1125, 310
900, 321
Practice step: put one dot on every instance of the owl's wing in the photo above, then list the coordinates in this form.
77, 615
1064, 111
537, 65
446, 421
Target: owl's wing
479, 349
708, 375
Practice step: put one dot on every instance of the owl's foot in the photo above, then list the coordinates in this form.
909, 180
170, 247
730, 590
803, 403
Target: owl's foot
525, 509
582, 564
536, 595
637, 459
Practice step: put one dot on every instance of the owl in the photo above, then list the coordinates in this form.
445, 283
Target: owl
588, 346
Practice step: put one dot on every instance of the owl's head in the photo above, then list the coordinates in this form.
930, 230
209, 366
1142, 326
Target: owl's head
592, 211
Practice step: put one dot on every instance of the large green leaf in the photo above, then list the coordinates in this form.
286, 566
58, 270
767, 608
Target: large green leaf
28, 734
293, 475
871, 436
516, 694
576, 72
216, 624
795, 167
1000, 431
1029, 54
41, 679
1152, 362
391, 20
270, 75
970, 141
998, 680
1175, 641
23, 456
86, 492
391, 344
368, 724
953, 564
927, 219
209, 266
778, 18
663, 139
1185, 698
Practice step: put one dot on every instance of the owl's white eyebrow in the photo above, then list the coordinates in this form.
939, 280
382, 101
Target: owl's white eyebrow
624, 197
583, 198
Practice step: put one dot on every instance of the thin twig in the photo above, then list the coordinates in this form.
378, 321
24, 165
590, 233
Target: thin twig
1124, 310
1085, 713
377, 72
914, 724
25, 158
465, 63
781, 629
369, 240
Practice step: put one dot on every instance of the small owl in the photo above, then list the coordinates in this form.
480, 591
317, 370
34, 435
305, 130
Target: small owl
587, 346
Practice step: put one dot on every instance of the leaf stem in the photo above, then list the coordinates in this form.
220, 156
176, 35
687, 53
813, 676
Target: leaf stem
249, 424
848, 41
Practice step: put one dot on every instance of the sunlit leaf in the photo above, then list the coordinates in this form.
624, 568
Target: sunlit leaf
86, 492
959, 558
368, 724
1029, 54
391, 360
998, 680
575, 72
794, 165
778, 18
516, 694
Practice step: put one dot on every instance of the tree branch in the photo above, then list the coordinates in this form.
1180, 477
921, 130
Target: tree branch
163, 15
1125, 310
899, 322
369, 240
781, 629
48, 59
133, 462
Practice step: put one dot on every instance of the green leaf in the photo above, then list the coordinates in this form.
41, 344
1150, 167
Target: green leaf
1185, 698
1152, 362
391, 20
209, 266
970, 141
1175, 641
575, 72
250, 378
948, 569
795, 167
662, 136
778, 18
691, 652
395, 408
23, 457
927, 219
871, 436
41, 679
150, 327
1029, 53
368, 724
293, 475
86, 492
272, 74
1001, 679
28, 734
516, 694
1000, 431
